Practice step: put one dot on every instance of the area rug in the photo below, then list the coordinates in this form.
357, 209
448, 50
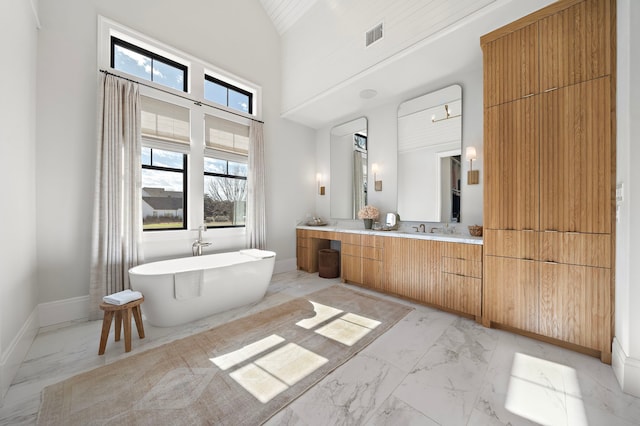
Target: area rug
238, 373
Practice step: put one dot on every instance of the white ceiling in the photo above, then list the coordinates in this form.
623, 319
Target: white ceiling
318, 34
285, 13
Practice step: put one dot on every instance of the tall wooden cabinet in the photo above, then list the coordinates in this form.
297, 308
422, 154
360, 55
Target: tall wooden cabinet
549, 126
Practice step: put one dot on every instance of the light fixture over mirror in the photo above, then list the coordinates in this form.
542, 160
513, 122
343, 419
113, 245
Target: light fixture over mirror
348, 168
429, 151
473, 176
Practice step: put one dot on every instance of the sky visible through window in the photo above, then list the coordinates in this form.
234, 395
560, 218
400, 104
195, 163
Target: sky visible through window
160, 179
147, 68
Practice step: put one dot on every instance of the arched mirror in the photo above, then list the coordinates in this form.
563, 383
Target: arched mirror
429, 148
348, 152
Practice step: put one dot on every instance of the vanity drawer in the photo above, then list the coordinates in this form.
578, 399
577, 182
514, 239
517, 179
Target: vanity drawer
576, 249
462, 294
351, 250
373, 253
373, 241
463, 267
347, 238
511, 243
462, 251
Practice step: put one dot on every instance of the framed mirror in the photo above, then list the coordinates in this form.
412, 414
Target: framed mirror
348, 168
429, 149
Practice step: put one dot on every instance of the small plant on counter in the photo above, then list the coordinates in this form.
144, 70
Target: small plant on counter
368, 212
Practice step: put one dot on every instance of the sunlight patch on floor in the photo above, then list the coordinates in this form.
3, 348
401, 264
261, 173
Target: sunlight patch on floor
275, 372
226, 361
545, 392
323, 313
348, 329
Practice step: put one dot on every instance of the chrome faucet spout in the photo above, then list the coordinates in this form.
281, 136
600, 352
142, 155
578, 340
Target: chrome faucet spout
422, 228
196, 247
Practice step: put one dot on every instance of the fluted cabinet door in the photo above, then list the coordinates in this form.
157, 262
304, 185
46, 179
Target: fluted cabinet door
512, 165
411, 268
575, 304
511, 66
575, 44
575, 158
510, 292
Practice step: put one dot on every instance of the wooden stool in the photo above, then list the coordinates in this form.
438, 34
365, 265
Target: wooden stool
129, 309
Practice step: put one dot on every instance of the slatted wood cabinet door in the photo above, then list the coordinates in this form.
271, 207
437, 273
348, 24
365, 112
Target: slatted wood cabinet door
512, 165
575, 44
575, 158
515, 55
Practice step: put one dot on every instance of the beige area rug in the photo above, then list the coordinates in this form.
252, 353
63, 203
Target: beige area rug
242, 372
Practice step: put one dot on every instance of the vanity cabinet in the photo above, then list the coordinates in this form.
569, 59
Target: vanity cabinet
412, 269
372, 255
351, 258
308, 243
550, 174
461, 278
447, 275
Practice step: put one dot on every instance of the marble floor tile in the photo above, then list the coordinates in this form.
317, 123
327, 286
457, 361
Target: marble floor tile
349, 395
431, 368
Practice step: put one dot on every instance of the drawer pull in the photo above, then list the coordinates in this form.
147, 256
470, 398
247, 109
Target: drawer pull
551, 262
528, 230
550, 90
550, 230
529, 95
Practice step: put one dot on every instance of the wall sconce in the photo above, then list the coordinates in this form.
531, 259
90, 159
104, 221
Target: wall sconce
473, 176
377, 183
320, 186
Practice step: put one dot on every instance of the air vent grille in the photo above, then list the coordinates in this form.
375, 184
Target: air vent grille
373, 35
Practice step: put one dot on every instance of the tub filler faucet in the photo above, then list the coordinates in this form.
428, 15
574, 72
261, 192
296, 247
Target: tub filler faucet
196, 247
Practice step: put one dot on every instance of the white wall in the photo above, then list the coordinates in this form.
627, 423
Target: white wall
236, 36
626, 356
382, 142
18, 42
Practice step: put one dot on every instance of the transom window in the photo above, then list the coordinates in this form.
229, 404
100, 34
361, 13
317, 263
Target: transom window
226, 94
150, 66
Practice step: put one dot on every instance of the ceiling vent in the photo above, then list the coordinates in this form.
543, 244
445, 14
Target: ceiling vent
373, 35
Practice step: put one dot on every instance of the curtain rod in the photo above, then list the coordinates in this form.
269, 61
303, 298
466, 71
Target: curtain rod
199, 103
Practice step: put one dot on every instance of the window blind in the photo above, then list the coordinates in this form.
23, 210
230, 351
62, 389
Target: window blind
164, 121
225, 135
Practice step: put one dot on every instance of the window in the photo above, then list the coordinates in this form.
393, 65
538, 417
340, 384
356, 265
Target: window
225, 192
147, 65
164, 201
225, 172
226, 94
195, 143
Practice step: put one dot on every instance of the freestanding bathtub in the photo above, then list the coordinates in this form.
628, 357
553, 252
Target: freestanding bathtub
178, 291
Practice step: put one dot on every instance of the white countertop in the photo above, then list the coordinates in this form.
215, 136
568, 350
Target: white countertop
452, 238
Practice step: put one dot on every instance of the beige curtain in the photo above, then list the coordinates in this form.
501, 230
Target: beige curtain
255, 221
117, 213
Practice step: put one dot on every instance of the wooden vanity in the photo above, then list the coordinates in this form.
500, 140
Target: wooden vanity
444, 271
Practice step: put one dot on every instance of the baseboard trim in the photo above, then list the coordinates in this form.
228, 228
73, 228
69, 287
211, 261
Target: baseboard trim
626, 370
14, 355
59, 311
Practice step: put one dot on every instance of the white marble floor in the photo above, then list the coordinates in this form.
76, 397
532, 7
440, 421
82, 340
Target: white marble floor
432, 368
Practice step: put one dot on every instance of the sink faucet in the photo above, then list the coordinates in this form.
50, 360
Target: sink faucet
422, 228
196, 247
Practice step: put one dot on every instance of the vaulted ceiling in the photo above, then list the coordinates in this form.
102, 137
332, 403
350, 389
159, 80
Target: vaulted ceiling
326, 65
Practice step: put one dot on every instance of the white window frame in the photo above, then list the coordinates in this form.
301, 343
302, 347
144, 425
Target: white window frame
197, 106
